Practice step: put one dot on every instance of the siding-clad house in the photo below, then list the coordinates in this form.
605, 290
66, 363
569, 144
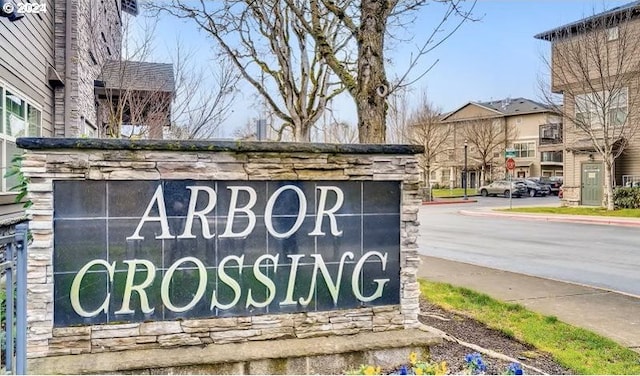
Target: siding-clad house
529, 127
601, 96
50, 68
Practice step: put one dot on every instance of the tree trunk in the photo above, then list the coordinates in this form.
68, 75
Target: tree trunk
607, 198
372, 87
301, 132
427, 173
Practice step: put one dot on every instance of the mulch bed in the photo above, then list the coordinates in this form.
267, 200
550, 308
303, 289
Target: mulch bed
472, 331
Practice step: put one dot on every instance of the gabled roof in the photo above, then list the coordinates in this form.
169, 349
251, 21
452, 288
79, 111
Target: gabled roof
516, 106
614, 15
138, 75
507, 107
446, 115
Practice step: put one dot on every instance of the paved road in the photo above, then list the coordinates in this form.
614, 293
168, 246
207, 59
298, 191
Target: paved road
595, 255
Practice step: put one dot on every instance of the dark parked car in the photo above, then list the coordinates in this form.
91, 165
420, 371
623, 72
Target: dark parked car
502, 187
554, 183
534, 188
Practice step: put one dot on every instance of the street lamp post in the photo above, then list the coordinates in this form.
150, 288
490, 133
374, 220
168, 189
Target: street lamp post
464, 177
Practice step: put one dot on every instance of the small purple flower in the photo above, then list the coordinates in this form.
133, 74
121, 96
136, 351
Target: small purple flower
475, 364
403, 370
515, 369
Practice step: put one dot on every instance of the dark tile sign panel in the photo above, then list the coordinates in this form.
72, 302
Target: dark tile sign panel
130, 251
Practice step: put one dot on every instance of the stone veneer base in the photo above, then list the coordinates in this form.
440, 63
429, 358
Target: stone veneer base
323, 355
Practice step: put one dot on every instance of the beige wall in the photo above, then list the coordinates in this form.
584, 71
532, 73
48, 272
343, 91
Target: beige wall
26, 53
574, 138
563, 64
472, 111
525, 128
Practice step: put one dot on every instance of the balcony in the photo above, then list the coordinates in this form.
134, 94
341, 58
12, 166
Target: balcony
551, 158
551, 134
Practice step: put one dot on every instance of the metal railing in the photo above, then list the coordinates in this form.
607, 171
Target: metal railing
631, 180
551, 156
550, 134
13, 268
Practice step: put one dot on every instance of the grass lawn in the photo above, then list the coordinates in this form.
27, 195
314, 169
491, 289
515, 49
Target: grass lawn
455, 192
578, 349
578, 211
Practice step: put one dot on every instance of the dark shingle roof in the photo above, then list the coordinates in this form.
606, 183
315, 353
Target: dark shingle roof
631, 10
515, 106
138, 75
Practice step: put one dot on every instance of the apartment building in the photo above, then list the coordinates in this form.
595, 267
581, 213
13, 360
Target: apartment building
53, 65
595, 65
532, 129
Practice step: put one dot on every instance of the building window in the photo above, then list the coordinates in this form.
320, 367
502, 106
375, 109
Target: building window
14, 113
446, 175
551, 156
550, 133
433, 175
612, 33
590, 108
19, 117
525, 149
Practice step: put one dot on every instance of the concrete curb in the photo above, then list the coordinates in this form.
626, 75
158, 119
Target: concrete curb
610, 221
446, 202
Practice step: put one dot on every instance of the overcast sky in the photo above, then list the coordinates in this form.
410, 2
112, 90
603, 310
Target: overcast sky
490, 59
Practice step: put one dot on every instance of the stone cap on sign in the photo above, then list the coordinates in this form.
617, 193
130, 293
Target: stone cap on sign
47, 143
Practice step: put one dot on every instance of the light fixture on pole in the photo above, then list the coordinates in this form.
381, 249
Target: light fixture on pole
464, 177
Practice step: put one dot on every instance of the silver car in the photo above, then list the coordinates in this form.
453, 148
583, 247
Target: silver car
503, 187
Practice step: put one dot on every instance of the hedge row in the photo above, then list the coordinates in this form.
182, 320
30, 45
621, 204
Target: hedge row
627, 198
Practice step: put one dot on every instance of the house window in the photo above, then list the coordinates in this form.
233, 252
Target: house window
590, 108
618, 107
446, 175
551, 156
525, 149
612, 33
19, 117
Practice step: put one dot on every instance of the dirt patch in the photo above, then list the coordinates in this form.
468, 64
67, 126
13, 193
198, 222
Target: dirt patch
474, 332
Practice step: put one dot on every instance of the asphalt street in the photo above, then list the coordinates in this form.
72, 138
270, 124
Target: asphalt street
594, 255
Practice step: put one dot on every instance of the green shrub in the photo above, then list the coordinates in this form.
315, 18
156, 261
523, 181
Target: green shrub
627, 198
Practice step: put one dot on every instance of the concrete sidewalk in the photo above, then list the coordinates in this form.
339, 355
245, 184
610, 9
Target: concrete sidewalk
590, 219
611, 314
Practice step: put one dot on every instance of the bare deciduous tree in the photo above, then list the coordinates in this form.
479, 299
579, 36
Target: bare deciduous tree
272, 51
596, 66
366, 23
247, 132
203, 97
426, 129
339, 132
140, 99
398, 116
486, 137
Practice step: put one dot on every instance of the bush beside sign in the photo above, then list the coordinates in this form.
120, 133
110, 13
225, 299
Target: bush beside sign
132, 251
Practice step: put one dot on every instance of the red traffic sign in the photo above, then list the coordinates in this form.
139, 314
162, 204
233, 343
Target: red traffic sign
511, 164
